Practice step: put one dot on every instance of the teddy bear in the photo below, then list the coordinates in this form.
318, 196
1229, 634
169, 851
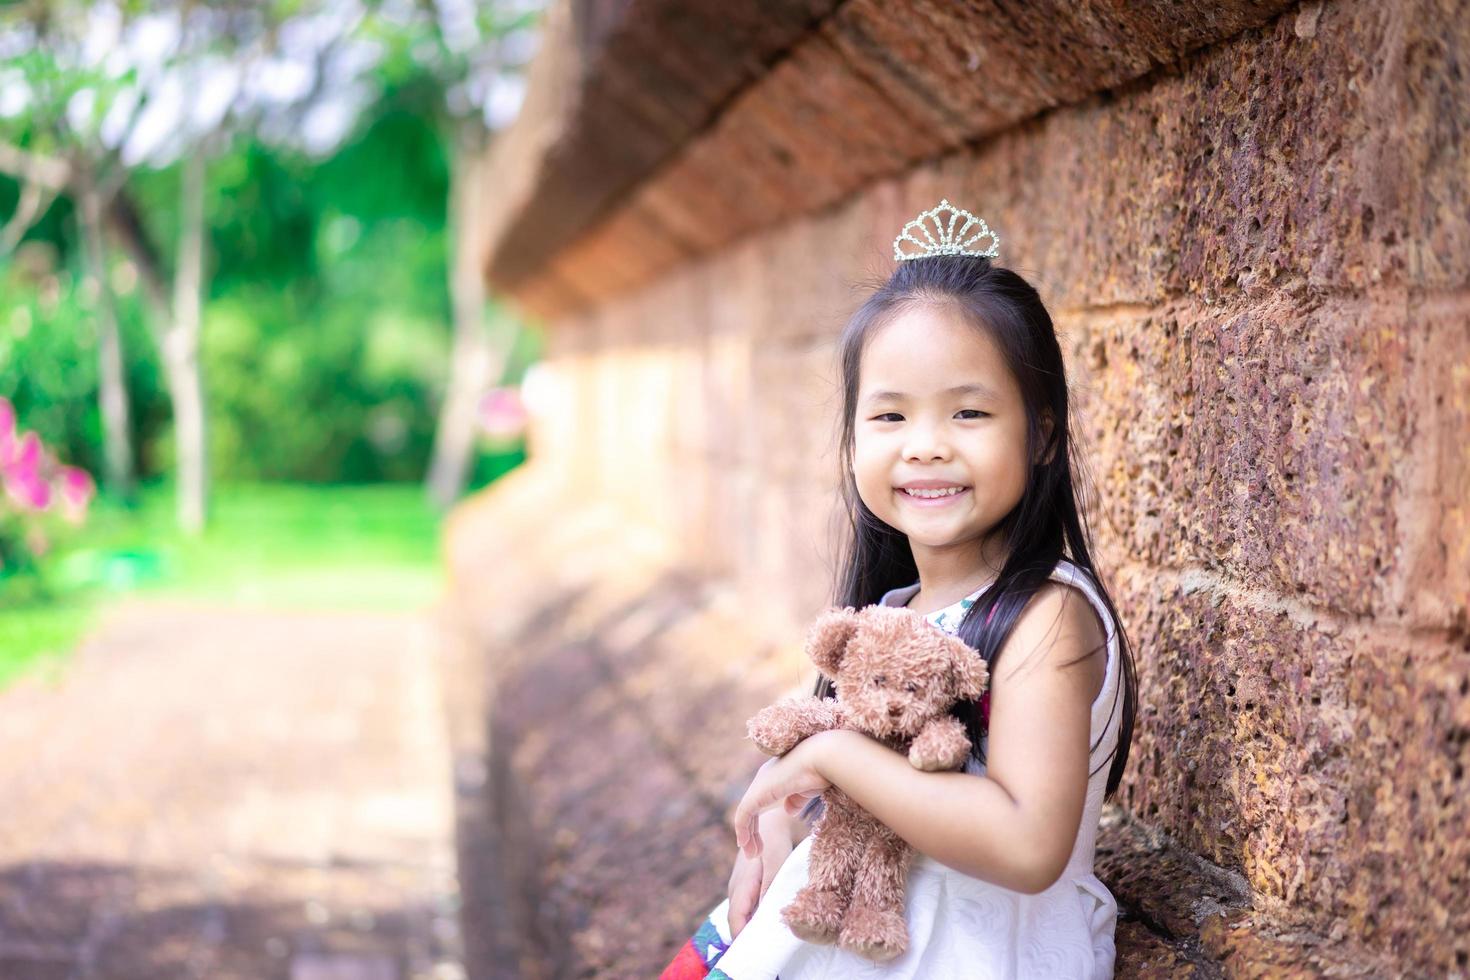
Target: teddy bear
896, 675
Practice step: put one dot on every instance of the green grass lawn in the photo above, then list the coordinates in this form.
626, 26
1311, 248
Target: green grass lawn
282, 545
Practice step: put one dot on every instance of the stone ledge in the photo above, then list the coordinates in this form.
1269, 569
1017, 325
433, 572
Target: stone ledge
603, 689
672, 129
616, 89
1179, 916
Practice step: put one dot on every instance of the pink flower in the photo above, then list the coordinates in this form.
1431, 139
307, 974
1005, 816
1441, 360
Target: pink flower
32, 477
22, 475
502, 415
25, 460
77, 491
30, 492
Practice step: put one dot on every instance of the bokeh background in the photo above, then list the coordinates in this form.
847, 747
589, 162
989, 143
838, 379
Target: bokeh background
416, 435
229, 304
247, 363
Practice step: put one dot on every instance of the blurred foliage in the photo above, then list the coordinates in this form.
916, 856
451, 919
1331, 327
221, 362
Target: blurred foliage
326, 322
48, 356
326, 332
327, 336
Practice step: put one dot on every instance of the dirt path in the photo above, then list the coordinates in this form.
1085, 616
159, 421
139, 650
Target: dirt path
216, 792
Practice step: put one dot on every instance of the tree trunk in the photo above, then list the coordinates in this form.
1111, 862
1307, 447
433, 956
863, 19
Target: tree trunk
181, 351
112, 387
477, 359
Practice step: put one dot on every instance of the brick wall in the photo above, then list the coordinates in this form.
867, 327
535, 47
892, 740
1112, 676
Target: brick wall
1258, 264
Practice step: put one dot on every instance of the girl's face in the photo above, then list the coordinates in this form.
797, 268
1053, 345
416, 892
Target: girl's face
938, 409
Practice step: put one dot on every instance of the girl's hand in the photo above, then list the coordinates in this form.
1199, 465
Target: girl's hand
791, 779
751, 877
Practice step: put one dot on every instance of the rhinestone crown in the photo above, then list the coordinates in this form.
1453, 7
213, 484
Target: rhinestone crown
943, 239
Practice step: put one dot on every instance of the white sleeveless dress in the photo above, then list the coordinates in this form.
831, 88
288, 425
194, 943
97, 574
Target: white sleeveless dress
959, 926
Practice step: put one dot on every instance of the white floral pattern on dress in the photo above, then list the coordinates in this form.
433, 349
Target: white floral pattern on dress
948, 618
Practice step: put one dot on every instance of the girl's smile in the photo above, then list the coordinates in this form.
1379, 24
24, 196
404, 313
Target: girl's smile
917, 495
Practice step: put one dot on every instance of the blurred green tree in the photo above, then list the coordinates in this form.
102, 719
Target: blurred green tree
337, 136
100, 89
471, 59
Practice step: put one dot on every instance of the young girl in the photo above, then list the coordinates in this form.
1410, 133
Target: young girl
957, 479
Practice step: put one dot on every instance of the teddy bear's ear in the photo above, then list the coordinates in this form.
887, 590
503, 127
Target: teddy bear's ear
826, 641
968, 670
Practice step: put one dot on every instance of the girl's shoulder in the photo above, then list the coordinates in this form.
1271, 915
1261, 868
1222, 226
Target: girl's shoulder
1075, 575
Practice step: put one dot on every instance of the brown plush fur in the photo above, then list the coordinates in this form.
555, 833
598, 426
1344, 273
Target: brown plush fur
896, 677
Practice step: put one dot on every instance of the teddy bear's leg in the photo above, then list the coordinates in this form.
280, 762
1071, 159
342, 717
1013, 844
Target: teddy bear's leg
815, 914
875, 925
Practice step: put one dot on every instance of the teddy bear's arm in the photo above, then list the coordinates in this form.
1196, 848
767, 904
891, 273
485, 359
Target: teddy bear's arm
776, 729
942, 745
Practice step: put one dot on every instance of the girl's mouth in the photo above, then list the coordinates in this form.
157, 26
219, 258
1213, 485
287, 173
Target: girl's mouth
933, 498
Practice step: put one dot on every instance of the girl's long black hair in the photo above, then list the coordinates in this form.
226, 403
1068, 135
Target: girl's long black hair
1044, 526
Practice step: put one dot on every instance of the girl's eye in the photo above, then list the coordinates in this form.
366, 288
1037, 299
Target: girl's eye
894, 416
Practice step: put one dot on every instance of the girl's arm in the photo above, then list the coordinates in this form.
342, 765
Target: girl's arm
1016, 825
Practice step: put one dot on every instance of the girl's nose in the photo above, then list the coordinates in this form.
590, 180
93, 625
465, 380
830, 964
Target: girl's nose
926, 443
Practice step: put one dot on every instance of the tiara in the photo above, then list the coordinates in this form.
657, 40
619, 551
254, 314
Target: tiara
948, 243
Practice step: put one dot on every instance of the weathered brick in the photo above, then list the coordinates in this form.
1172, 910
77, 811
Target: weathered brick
871, 93
1272, 443
795, 405
612, 96
1434, 512
1144, 956
1323, 758
1289, 159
